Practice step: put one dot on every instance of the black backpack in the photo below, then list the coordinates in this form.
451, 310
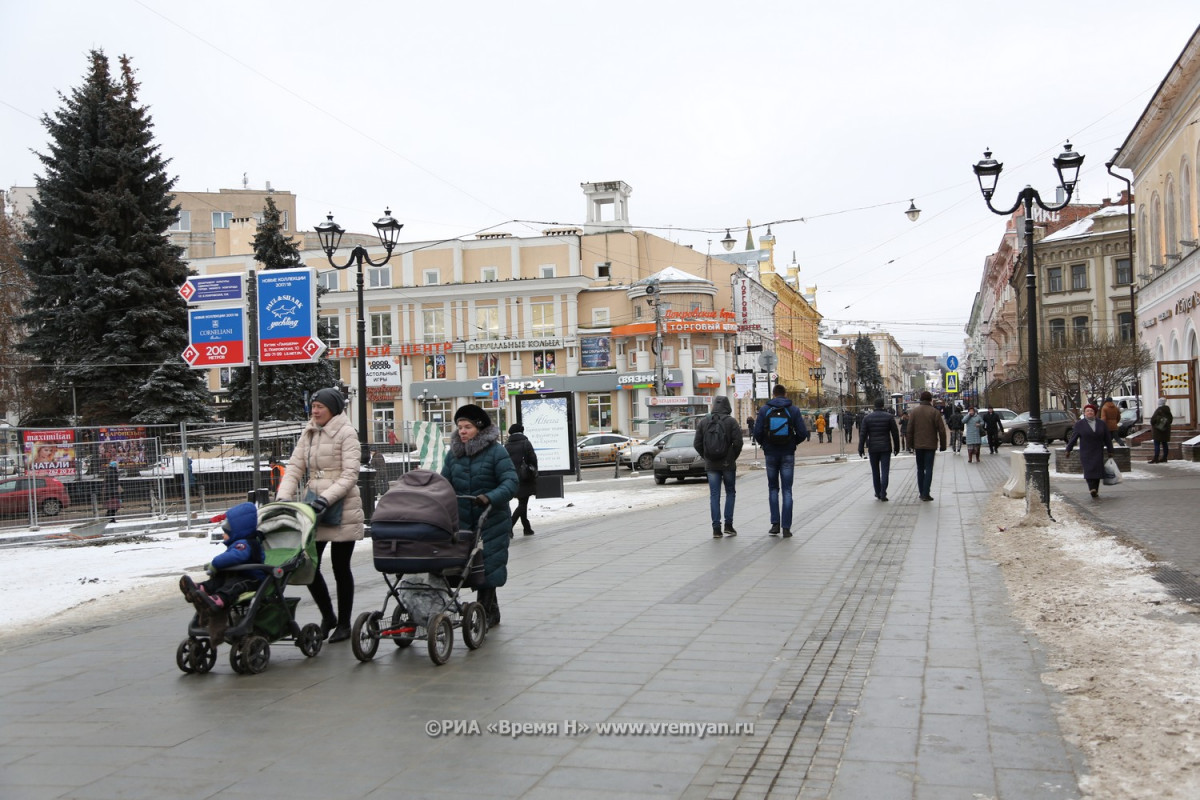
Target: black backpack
777, 427
716, 439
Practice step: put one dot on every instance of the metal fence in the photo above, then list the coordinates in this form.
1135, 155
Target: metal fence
57, 476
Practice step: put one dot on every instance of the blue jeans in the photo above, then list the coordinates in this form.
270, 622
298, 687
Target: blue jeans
715, 479
1161, 450
780, 470
881, 464
925, 471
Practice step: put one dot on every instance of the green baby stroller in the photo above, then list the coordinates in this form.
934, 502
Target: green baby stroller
266, 615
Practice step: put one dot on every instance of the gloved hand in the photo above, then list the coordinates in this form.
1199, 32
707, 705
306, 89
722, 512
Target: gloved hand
319, 505
482, 500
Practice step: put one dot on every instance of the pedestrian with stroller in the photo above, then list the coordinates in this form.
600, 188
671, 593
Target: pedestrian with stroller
1093, 438
718, 440
214, 597
525, 461
780, 428
955, 423
323, 472
880, 438
926, 436
1160, 428
973, 433
478, 466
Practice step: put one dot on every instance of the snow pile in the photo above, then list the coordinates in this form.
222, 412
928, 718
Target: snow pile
1119, 648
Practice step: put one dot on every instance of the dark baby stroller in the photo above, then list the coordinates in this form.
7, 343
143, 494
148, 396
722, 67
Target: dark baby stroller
425, 561
265, 615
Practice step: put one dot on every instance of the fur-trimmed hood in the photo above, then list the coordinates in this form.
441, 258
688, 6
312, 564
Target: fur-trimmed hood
482, 441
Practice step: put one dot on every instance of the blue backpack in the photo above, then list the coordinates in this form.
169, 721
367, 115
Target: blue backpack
777, 427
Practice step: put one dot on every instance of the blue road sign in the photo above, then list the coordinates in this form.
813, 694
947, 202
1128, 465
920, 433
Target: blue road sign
213, 288
952, 363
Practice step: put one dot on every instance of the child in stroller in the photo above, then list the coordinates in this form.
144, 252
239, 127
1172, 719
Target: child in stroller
243, 603
214, 597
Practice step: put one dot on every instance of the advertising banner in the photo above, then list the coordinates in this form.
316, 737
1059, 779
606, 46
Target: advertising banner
287, 317
127, 445
596, 352
383, 371
549, 421
216, 338
50, 452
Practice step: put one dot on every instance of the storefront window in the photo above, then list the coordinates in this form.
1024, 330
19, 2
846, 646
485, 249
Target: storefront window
489, 365
437, 411
543, 362
599, 411
435, 368
383, 420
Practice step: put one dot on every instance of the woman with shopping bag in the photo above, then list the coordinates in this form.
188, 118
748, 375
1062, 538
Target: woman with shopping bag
1093, 438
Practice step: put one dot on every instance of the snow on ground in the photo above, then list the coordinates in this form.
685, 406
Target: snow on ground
66, 584
1124, 654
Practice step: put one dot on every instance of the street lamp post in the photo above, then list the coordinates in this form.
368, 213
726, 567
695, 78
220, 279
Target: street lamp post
984, 368
330, 234
987, 171
1133, 342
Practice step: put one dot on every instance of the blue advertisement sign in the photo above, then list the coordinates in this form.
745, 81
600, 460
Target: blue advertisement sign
287, 316
213, 288
217, 338
595, 352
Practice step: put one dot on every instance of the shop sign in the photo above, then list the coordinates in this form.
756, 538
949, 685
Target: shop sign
383, 394
641, 380
1187, 304
515, 387
392, 350
722, 315
512, 345
383, 371
668, 401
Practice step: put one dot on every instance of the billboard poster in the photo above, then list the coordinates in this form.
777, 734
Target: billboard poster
549, 421
287, 316
127, 445
595, 352
50, 452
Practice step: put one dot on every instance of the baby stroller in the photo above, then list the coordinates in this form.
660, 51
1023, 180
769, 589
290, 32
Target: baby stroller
425, 561
263, 616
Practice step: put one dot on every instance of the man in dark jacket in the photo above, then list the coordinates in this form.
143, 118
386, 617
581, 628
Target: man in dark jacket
779, 433
955, 423
719, 442
524, 459
846, 420
926, 435
880, 436
992, 426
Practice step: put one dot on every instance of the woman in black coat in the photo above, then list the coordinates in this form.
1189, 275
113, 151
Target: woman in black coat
521, 451
1093, 438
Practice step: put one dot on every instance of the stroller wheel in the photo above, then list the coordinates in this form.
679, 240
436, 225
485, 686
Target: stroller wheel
195, 655
256, 652
364, 639
440, 638
310, 639
401, 619
474, 625
183, 655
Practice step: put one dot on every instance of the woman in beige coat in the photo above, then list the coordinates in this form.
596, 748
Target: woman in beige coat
326, 460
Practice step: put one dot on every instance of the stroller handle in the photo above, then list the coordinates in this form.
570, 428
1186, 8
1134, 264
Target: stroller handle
486, 509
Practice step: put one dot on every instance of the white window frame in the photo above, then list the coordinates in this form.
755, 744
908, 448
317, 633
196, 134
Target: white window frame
601, 317
431, 277
221, 219
489, 274
487, 322
547, 271
433, 325
379, 277
542, 328
328, 280
380, 329
183, 224
604, 269
334, 331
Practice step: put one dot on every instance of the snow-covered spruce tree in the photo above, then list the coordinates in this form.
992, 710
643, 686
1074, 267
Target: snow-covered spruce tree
104, 314
280, 388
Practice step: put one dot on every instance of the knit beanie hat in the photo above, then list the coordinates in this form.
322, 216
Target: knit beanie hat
517, 428
330, 398
474, 415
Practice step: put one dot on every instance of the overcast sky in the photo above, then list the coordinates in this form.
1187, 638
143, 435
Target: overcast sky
471, 116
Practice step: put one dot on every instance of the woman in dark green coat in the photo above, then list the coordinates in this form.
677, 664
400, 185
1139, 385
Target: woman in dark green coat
479, 466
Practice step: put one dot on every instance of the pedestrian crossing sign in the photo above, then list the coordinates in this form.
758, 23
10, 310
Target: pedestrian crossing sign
951, 383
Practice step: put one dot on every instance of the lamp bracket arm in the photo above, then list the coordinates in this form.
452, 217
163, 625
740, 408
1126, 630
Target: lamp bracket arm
383, 261
1037, 198
994, 210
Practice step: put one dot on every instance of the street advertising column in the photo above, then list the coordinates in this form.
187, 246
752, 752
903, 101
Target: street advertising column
549, 421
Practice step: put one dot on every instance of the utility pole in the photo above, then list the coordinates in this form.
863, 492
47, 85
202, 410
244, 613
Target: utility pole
655, 301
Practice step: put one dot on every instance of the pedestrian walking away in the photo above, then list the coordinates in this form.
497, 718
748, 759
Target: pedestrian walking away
1093, 438
955, 423
478, 467
525, 461
905, 444
1111, 414
819, 424
323, 472
780, 428
1160, 428
926, 436
973, 433
718, 440
846, 420
992, 426
880, 437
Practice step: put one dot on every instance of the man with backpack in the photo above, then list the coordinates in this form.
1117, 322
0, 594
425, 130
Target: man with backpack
779, 429
719, 442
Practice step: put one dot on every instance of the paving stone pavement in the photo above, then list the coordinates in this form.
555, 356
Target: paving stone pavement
873, 653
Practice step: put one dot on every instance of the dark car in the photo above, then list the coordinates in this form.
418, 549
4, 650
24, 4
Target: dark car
49, 495
679, 463
1057, 425
1128, 421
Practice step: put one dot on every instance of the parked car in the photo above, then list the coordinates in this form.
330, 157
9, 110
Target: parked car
1128, 421
679, 463
49, 494
642, 454
1057, 425
601, 448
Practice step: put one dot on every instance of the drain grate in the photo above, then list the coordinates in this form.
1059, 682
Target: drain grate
1181, 585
